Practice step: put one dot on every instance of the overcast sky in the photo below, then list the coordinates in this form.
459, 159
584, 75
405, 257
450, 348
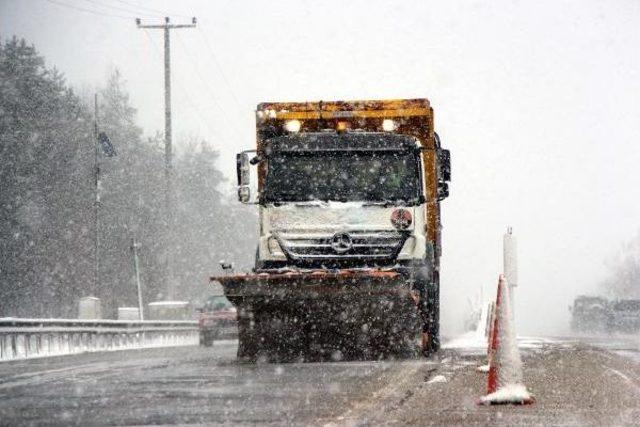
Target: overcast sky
538, 102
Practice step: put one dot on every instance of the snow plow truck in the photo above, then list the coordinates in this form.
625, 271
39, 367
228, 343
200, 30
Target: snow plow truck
347, 264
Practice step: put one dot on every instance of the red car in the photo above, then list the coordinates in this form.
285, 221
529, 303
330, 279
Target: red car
217, 320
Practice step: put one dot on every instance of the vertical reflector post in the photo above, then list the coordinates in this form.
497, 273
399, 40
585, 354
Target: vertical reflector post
510, 257
510, 264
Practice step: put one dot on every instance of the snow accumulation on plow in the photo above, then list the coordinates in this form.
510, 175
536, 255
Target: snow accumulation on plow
314, 283
312, 314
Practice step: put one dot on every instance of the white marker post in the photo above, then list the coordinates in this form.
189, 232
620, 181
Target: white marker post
510, 263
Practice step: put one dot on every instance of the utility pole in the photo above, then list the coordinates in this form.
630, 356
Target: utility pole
101, 140
96, 162
168, 151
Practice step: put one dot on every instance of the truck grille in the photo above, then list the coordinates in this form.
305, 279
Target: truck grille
376, 246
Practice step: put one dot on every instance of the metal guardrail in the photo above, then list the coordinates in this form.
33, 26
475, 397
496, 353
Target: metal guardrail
28, 338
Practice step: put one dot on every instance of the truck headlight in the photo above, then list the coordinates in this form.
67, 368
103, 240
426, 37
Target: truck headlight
274, 247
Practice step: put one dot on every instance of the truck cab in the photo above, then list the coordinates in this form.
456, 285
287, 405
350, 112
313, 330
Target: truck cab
333, 200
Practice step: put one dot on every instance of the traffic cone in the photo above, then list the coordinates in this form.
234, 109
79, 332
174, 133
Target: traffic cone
504, 384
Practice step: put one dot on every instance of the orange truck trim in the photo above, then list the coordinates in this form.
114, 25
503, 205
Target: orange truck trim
314, 274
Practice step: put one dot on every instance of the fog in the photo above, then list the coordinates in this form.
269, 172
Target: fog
537, 101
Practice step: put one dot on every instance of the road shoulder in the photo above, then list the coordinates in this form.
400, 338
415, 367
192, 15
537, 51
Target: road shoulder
574, 384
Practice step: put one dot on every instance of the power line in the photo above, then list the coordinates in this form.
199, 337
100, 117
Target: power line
109, 13
183, 89
93, 12
127, 10
219, 67
161, 12
206, 83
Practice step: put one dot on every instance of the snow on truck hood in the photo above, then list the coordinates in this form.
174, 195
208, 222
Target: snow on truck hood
332, 216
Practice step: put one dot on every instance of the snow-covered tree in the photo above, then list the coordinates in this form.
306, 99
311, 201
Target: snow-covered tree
624, 280
45, 180
47, 192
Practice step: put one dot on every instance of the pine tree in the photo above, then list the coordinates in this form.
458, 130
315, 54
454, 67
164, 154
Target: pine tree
131, 202
624, 279
44, 144
47, 198
211, 227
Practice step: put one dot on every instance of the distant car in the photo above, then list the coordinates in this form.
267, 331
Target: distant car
625, 316
590, 314
217, 320
170, 310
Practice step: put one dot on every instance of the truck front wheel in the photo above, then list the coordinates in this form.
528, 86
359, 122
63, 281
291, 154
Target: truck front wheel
248, 334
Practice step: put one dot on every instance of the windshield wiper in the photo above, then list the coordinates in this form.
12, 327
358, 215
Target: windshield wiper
290, 198
385, 203
389, 202
312, 202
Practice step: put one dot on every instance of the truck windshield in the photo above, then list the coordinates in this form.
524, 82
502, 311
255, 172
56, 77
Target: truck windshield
343, 176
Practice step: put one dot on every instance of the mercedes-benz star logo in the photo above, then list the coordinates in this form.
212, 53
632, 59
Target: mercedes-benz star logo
341, 242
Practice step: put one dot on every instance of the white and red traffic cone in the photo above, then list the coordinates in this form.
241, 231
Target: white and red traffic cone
504, 384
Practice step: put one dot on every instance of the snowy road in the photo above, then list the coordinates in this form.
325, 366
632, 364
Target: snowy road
183, 385
574, 383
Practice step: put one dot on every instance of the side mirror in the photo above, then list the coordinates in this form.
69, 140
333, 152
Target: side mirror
244, 194
246, 168
444, 160
243, 168
226, 265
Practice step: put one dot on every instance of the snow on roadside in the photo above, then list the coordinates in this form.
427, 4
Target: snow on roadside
470, 342
508, 394
437, 379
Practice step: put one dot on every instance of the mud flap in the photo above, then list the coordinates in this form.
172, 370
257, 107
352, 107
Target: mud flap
432, 325
427, 297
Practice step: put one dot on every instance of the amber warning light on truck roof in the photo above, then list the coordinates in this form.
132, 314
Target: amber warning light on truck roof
293, 126
413, 117
342, 126
389, 125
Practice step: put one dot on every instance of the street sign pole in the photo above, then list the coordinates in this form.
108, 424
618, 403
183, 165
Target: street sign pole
136, 267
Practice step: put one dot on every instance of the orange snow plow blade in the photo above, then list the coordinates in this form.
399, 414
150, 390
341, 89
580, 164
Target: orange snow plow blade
314, 283
311, 314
